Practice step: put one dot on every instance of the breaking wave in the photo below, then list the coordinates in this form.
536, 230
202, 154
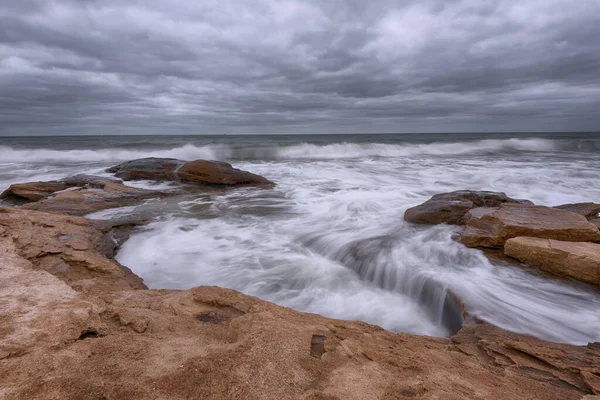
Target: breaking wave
302, 151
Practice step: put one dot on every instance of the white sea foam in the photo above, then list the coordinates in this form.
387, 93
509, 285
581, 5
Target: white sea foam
275, 152
330, 238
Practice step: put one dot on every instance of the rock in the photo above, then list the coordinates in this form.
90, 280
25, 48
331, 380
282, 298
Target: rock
588, 210
89, 181
578, 260
93, 336
596, 221
218, 173
158, 169
199, 172
51, 241
32, 191
85, 201
491, 227
450, 208
35, 191
77, 195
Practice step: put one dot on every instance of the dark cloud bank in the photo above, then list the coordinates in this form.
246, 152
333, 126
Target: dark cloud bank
312, 66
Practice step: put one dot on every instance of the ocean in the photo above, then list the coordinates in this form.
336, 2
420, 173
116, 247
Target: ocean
330, 237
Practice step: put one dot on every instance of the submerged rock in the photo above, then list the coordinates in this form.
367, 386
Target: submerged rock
371, 259
588, 210
199, 172
450, 208
492, 227
74, 328
578, 260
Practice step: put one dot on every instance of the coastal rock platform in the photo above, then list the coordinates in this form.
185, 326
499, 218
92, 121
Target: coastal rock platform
77, 325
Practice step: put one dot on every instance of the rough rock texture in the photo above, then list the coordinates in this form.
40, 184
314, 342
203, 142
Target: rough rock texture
450, 208
158, 169
58, 341
35, 191
200, 172
596, 221
577, 260
32, 191
588, 210
76, 250
491, 227
77, 195
85, 201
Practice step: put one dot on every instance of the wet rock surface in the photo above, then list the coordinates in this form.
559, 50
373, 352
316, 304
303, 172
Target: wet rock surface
450, 208
76, 195
576, 260
90, 333
491, 227
36, 191
199, 172
84, 201
158, 169
588, 210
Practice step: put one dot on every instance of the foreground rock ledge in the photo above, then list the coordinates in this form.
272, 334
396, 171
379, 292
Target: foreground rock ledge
92, 335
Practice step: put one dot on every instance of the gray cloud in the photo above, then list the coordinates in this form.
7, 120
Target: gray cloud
269, 66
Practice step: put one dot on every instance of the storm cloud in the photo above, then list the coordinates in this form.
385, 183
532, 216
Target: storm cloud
312, 66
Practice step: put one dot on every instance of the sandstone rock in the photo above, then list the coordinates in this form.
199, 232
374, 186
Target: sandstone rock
77, 195
35, 191
578, 260
200, 172
491, 227
219, 173
85, 201
450, 208
73, 249
109, 341
588, 210
596, 221
32, 191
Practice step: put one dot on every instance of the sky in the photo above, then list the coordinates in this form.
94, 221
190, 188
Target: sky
311, 66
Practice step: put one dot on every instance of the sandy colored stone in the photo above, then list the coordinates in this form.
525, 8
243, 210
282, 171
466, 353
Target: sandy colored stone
84, 201
578, 260
76, 195
450, 208
32, 191
73, 249
491, 227
114, 342
35, 191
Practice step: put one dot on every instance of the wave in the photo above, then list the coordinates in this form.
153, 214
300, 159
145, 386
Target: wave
187, 152
301, 151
